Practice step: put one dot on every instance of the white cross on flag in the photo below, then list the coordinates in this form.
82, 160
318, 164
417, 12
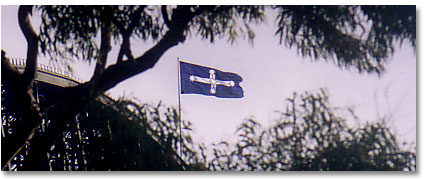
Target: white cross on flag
196, 79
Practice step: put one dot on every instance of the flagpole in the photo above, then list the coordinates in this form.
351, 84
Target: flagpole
180, 108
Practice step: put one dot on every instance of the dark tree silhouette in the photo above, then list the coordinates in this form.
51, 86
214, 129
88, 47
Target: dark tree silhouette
361, 37
311, 136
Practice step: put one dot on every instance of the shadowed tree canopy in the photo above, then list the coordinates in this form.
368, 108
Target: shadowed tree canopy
358, 37
353, 36
311, 135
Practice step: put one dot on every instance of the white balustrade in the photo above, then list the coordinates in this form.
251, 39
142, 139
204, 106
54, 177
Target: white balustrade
66, 74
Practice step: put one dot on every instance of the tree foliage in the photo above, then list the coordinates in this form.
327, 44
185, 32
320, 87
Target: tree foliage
352, 36
126, 135
72, 30
108, 135
310, 136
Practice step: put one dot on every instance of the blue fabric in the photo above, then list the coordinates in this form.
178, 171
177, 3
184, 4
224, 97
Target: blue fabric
194, 87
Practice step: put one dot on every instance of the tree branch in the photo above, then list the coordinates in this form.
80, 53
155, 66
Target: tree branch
105, 47
125, 49
126, 33
31, 37
20, 88
119, 72
165, 16
74, 99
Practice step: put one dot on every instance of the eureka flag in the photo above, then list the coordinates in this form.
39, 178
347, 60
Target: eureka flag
196, 79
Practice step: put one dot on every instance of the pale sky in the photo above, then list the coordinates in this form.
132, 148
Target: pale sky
270, 72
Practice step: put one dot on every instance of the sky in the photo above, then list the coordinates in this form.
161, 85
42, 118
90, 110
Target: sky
271, 73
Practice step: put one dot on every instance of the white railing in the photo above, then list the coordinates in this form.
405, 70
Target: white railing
20, 63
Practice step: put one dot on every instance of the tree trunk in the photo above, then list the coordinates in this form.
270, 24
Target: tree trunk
20, 87
72, 100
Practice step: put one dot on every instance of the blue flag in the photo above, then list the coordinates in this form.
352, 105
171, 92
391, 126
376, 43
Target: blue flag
196, 79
